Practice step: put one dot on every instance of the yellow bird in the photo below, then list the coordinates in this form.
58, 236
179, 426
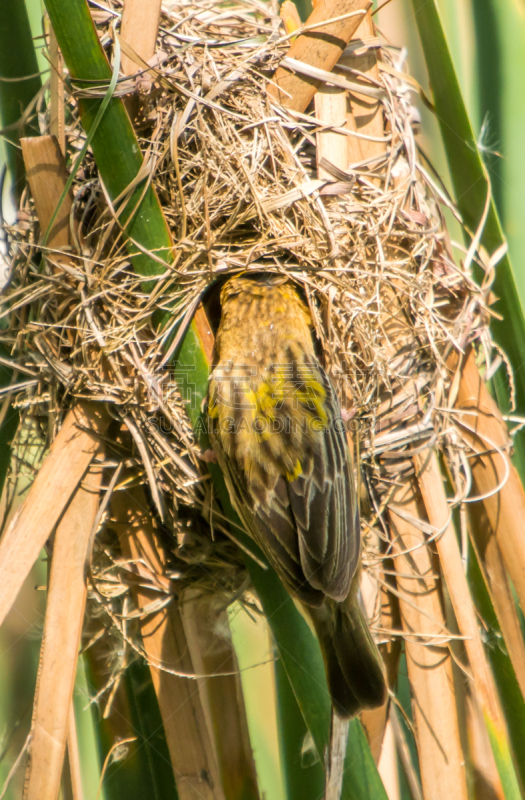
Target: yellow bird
277, 430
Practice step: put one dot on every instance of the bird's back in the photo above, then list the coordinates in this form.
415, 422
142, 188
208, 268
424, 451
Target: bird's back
280, 441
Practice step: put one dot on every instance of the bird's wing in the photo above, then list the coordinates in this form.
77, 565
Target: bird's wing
321, 507
273, 530
324, 506
308, 526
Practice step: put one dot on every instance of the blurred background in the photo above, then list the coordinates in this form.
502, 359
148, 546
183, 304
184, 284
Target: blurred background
487, 43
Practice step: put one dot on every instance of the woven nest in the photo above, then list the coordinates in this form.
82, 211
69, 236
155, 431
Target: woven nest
237, 179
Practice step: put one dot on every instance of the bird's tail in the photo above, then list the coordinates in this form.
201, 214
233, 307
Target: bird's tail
354, 667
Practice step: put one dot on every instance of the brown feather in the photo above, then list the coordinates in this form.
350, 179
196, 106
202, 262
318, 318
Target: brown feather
280, 442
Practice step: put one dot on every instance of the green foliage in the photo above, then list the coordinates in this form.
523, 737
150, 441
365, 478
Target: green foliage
114, 143
474, 201
9, 423
303, 701
119, 160
471, 186
19, 84
304, 774
142, 767
508, 687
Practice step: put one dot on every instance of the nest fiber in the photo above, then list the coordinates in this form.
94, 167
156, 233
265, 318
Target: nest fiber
242, 188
